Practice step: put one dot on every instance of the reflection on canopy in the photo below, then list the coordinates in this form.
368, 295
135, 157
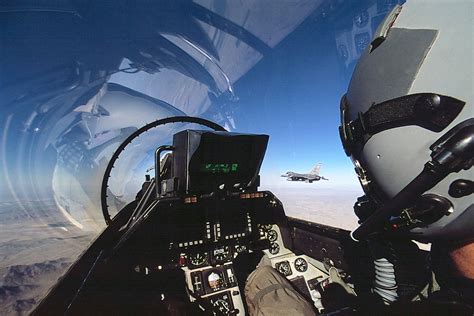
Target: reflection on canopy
72, 119
136, 160
79, 77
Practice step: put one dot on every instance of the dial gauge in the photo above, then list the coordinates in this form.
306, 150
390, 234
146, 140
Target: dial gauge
284, 268
266, 227
222, 306
198, 258
274, 248
221, 254
301, 265
240, 248
272, 235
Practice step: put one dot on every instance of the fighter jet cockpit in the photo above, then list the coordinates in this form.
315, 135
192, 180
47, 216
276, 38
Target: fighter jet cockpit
209, 157
194, 233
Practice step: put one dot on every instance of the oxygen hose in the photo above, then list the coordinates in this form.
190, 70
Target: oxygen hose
385, 284
451, 153
426, 180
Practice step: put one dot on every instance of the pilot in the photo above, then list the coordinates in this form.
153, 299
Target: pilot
408, 126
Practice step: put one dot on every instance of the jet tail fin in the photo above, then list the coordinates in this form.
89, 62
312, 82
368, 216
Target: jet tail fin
316, 169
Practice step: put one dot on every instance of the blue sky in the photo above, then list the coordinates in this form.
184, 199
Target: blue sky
294, 97
291, 94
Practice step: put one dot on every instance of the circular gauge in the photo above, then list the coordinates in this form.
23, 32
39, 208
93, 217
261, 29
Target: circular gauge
274, 248
272, 235
198, 258
284, 268
222, 305
266, 227
240, 248
221, 254
301, 265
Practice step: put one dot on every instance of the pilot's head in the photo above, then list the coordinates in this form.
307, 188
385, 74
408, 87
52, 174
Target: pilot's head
410, 101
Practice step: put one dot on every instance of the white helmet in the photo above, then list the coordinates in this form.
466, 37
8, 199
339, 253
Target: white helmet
407, 123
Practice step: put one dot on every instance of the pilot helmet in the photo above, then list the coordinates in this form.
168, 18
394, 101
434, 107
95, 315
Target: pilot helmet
408, 126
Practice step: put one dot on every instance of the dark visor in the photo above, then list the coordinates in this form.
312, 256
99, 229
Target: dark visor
427, 110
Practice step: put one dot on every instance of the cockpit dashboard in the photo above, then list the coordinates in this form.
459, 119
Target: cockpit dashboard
193, 240
205, 236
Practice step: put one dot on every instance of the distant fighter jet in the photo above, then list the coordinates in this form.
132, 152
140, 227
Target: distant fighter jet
313, 175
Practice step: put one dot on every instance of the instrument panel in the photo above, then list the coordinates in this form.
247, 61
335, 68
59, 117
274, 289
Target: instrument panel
198, 228
214, 280
300, 270
218, 254
203, 236
197, 255
218, 286
210, 273
208, 239
309, 276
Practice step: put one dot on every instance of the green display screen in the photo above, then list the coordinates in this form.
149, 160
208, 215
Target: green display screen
220, 167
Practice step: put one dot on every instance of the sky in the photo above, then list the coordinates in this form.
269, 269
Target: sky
291, 93
293, 96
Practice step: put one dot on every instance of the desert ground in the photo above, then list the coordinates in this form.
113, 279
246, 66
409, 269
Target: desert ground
34, 253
